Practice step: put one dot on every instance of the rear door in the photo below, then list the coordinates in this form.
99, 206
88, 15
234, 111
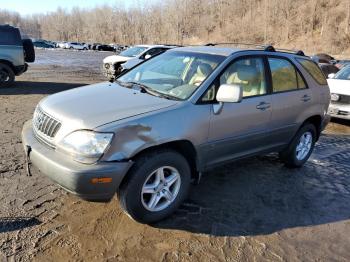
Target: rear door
240, 129
291, 99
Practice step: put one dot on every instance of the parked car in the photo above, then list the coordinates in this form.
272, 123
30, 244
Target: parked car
43, 44
324, 58
77, 46
95, 45
61, 44
339, 85
161, 124
15, 53
328, 69
105, 48
112, 65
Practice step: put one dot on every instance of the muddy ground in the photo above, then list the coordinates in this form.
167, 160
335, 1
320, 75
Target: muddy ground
252, 210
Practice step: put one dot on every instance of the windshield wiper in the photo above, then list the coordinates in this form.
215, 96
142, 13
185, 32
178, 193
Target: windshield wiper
151, 91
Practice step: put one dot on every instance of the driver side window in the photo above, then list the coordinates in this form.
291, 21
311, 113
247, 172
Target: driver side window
249, 73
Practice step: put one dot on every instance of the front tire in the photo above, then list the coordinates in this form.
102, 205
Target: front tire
156, 185
300, 148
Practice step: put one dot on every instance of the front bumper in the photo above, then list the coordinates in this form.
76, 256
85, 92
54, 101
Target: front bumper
71, 175
111, 71
339, 111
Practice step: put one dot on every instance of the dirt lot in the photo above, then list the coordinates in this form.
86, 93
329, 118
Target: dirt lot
251, 210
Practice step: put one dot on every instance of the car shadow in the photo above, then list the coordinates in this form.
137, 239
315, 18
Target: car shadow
260, 196
340, 121
8, 224
40, 88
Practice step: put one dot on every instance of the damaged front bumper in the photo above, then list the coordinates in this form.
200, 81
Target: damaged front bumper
111, 71
97, 182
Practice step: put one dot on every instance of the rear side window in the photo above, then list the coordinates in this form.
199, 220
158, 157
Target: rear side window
284, 75
10, 36
313, 69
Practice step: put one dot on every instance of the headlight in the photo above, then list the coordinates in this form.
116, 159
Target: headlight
86, 146
335, 97
107, 66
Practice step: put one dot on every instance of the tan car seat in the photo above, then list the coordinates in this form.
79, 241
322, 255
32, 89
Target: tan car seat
249, 78
203, 70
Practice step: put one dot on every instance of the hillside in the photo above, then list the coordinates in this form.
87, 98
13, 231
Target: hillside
303, 24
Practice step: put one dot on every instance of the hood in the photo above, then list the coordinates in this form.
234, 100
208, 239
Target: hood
112, 59
95, 105
339, 86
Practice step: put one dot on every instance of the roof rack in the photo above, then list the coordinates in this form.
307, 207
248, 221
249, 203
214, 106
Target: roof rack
267, 48
270, 48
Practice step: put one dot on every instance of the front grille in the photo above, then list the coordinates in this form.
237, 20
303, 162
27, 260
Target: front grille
44, 124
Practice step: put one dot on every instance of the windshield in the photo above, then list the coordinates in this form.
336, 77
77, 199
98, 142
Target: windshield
174, 74
343, 74
133, 51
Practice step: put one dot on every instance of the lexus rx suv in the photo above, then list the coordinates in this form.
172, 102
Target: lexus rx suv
158, 126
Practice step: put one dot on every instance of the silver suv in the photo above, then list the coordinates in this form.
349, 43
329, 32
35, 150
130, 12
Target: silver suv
15, 53
153, 131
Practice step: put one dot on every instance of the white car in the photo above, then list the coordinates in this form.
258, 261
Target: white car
112, 65
61, 44
75, 45
339, 85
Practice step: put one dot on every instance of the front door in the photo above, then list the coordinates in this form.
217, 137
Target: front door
240, 128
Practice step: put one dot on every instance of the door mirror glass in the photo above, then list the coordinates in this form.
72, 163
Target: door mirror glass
229, 93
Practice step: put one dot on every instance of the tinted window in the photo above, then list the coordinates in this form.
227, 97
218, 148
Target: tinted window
10, 36
248, 73
284, 77
312, 68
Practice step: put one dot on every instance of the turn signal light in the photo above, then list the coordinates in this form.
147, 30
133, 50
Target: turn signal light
101, 180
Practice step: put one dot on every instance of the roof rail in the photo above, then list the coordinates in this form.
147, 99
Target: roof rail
270, 48
267, 48
233, 43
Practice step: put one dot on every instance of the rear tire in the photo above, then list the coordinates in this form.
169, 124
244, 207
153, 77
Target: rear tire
300, 148
145, 183
7, 76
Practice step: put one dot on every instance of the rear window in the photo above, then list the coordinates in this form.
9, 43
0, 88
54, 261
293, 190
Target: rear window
10, 36
313, 69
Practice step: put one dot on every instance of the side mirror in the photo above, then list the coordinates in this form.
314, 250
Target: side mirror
331, 75
147, 56
229, 93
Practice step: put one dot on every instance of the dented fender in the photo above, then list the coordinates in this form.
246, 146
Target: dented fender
136, 134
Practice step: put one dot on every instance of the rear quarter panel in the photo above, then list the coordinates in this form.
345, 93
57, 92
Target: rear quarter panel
13, 54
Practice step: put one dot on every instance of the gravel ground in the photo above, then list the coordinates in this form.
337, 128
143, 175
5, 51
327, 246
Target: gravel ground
251, 210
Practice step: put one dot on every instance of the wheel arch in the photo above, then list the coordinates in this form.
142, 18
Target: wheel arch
316, 120
183, 147
6, 62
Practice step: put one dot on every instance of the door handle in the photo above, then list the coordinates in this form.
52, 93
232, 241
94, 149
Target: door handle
263, 106
305, 98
